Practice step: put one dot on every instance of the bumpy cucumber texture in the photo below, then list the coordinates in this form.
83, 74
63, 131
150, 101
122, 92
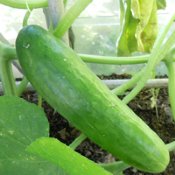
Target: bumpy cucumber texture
69, 86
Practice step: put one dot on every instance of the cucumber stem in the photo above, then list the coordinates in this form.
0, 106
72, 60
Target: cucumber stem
78, 141
26, 18
171, 146
70, 16
54, 13
25, 4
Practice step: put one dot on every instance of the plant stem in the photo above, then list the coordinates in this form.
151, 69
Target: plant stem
171, 146
171, 84
39, 101
26, 18
7, 52
78, 141
115, 167
7, 78
158, 54
114, 60
162, 36
23, 4
69, 17
121, 89
99, 59
22, 86
53, 14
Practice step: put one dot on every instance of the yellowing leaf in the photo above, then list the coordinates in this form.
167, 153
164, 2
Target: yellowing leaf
146, 31
140, 27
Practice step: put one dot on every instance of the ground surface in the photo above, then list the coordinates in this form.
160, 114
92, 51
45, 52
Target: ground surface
155, 111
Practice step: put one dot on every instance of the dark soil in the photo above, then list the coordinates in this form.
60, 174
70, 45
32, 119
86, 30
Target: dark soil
155, 111
159, 120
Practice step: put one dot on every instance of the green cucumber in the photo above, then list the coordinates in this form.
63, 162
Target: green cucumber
68, 85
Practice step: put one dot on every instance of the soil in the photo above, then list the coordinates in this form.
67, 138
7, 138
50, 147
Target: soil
151, 105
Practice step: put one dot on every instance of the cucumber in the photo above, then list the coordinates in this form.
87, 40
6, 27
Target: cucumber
69, 86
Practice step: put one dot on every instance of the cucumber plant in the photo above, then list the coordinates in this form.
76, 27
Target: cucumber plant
62, 78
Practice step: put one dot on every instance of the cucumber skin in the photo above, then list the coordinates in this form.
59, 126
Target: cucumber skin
68, 85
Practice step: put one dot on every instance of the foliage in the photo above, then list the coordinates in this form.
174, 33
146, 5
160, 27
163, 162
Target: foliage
63, 156
139, 28
19, 127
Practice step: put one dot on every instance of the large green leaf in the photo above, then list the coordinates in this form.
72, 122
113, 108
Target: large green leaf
63, 156
20, 124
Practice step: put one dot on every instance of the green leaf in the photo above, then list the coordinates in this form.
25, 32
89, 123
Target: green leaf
146, 12
139, 28
127, 42
63, 156
161, 4
20, 124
